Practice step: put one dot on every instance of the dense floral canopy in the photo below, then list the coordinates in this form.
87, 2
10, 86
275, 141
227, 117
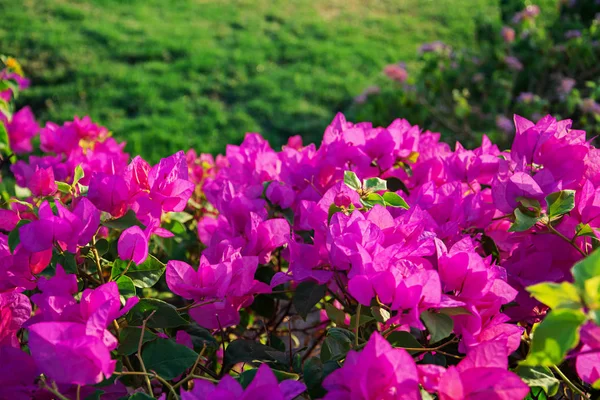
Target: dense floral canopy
382, 264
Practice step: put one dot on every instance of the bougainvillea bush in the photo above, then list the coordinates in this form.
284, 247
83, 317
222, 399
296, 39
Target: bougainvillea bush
536, 61
382, 264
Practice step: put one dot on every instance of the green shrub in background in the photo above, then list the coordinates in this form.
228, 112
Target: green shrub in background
171, 75
532, 62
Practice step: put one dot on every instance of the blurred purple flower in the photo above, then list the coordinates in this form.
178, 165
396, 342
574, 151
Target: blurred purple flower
513, 63
572, 34
362, 98
526, 97
436, 46
566, 85
590, 106
504, 124
530, 12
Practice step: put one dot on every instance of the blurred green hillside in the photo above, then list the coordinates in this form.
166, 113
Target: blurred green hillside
170, 75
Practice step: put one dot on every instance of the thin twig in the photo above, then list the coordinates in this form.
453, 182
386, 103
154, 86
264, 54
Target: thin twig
569, 383
97, 259
357, 324
139, 353
53, 389
194, 305
554, 231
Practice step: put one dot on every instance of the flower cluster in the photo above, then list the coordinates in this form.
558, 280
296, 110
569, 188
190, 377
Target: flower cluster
381, 264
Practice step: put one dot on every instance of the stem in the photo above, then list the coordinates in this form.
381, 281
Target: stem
554, 231
389, 330
194, 305
139, 353
124, 271
569, 383
314, 345
53, 390
78, 392
167, 384
290, 344
97, 258
191, 374
357, 324
153, 375
222, 343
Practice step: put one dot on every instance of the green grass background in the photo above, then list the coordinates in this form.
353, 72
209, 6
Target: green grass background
169, 75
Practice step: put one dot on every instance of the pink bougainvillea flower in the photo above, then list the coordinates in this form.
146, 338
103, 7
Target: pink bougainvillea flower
263, 386
379, 371
18, 373
482, 375
15, 309
109, 193
169, 183
133, 245
588, 360
280, 194
21, 129
66, 353
42, 182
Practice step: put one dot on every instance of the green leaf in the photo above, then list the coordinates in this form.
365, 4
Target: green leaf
69, 263
341, 334
126, 287
380, 314
79, 174
530, 203
440, 326
587, 268
314, 373
554, 337
364, 319
140, 396
585, 230
335, 348
102, 246
332, 210
556, 295
334, 314
200, 336
144, 275
523, 221
129, 339
246, 377
395, 184
13, 239
126, 221
539, 377
182, 217
536, 393
375, 184
371, 199
560, 203
249, 351
96, 395
591, 293
165, 315
5, 143
63, 187
167, 358
351, 180
307, 295
394, 200
405, 340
